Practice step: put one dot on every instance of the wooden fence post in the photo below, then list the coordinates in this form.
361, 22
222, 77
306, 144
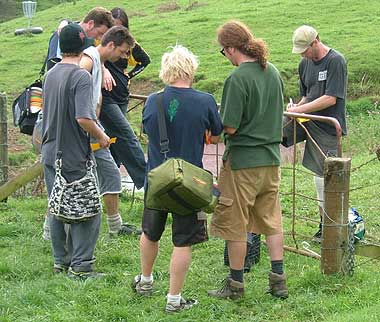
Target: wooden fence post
3, 139
335, 219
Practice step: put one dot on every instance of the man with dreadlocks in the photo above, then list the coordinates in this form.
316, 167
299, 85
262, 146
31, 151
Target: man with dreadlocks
251, 110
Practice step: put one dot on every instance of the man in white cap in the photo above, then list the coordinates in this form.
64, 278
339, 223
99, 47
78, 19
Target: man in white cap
323, 82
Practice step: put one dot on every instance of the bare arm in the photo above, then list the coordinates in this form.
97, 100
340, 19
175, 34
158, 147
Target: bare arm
214, 139
86, 63
211, 138
94, 130
108, 80
318, 104
230, 130
99, 106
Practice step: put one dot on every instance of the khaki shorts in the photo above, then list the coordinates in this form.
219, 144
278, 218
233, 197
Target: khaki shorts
249, 202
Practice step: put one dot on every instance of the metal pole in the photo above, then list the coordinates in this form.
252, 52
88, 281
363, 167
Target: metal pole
334, 245
3, 140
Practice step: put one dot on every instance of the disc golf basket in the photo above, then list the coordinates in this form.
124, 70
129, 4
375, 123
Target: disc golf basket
29, 10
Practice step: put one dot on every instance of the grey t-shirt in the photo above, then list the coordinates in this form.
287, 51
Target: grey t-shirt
74, 140
327, 76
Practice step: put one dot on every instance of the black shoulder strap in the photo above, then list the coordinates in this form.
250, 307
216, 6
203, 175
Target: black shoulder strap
43, 68
164, 141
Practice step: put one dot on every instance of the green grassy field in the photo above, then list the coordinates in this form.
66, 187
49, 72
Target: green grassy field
30, 292
28, 289
11, 9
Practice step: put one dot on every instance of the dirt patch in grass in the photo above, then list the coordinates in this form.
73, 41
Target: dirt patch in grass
137, 14
166, 7
143, 87
14, 139
195, 5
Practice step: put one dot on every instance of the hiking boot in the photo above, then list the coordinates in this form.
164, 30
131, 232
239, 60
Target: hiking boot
125, 230
172, 307
59, 269
142, 288
230, 289
277, 285
84, 275
128, 229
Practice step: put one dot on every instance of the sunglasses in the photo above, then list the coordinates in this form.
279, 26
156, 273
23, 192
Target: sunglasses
222, 51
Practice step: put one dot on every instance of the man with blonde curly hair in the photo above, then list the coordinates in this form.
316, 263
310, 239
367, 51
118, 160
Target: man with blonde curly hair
190, 114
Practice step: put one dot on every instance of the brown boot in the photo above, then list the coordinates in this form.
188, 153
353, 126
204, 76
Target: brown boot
230, 289
277, 285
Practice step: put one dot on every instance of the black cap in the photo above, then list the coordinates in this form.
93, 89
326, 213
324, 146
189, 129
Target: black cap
73, 39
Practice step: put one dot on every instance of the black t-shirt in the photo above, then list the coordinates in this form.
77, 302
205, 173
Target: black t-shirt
327, 76
120, 92
138, 60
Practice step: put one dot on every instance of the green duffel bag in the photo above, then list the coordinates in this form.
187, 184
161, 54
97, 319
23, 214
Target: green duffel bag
179, 187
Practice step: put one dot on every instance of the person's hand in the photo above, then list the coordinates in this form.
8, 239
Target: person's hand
208, 137
108, 80
62, 24
104, 141
289, 106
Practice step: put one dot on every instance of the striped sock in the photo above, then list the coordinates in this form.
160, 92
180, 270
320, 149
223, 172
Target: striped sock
114, 223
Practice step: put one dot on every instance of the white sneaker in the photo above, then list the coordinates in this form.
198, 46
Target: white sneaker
142, 288
172, 307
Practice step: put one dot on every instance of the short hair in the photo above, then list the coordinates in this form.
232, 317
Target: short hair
237, 35
100, 16
119, 13
179, 63
119, 35
71, 54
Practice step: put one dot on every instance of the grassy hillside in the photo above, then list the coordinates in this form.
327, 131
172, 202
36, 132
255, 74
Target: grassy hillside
348, 26
11, 9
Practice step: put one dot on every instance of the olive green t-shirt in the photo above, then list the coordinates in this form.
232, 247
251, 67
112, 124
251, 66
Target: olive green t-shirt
252, 103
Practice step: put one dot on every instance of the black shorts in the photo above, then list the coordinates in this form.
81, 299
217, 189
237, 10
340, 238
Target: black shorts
186, 230
313, 159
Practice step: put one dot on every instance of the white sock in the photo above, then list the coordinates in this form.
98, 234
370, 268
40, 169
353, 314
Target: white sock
114, 223
147, 279
176, 299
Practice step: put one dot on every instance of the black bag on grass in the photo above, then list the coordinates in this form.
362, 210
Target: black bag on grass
253, 252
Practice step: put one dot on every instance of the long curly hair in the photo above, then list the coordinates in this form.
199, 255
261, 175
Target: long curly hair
237, 35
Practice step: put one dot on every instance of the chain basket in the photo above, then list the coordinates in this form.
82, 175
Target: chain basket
29, 10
